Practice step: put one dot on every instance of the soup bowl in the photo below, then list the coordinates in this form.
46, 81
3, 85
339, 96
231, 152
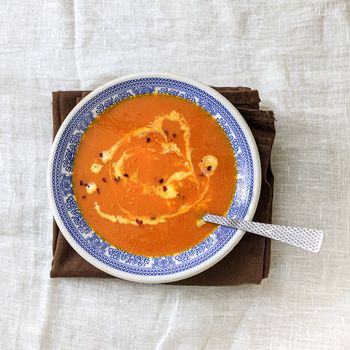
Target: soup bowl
119, 263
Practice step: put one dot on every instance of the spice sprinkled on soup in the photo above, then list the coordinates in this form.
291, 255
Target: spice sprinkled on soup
146, 171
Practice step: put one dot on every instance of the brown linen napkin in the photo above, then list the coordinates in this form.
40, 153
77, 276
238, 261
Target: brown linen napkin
249, 261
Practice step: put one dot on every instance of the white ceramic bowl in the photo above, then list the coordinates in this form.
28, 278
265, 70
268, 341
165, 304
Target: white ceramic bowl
140, 268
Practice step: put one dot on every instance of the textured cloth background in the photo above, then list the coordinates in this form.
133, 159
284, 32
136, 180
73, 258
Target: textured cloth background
296, 53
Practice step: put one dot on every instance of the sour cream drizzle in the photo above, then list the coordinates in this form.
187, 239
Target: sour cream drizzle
207, 166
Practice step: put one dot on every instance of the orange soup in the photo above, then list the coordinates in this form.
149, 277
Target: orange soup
146, 171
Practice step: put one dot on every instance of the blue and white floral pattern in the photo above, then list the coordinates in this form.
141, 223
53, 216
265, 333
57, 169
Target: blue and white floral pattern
74, 221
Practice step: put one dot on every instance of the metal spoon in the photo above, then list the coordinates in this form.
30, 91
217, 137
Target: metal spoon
305, 238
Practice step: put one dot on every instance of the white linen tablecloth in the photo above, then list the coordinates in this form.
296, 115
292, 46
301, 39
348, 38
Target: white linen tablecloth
296, 53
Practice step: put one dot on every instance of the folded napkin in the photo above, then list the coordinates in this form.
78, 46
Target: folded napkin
249, 261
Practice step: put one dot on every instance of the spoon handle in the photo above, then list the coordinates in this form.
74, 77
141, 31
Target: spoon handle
305, 238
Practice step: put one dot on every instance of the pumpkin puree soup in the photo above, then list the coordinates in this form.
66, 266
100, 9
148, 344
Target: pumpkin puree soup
148, 168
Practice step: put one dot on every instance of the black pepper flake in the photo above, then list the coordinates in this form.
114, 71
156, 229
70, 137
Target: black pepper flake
148, 140
209, 167
126, 175
98, 190
165, 188
153, 218
166, 132
117, 179
83, 197
104, 179
161, 181
177, 194
174, 135
81, 183
139, 222
101, 155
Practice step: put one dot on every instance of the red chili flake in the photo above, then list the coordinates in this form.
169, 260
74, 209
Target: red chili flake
165, 188
166, 132
81, 183
148, 140
161, 181
126, 175
153, 218
177, 194
209, 167
139, 222
83, 197
98, 190
117, 179
183, 197
174, 135
104, 179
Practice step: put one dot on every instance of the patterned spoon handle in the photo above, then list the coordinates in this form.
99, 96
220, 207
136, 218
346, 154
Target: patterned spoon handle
305, 238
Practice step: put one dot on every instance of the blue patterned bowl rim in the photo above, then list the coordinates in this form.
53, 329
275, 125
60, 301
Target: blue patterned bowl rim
140, 268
